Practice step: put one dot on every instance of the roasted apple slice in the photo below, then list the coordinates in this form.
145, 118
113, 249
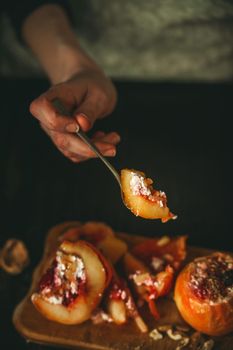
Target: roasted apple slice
140, 197
101, 236
96, 231
117, 310
155, 262
112, 248
148, 286
133, 267
139, 274
158, 252
73, 285
133, 312
91, 231
120, 303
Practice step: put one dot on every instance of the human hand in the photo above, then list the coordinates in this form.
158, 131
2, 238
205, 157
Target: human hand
89, 95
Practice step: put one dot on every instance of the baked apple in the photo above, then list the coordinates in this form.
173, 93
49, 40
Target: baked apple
140, 197
73, 285
204, 294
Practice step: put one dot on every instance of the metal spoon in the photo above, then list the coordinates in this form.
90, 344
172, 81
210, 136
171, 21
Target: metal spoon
60, 107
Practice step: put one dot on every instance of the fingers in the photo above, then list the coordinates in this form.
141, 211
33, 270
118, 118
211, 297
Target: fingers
76, 150
98, 134
91, 95
112, 137
43, 109
95, 106
84, 121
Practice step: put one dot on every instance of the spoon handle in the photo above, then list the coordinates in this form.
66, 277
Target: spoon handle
60, 107
86, 139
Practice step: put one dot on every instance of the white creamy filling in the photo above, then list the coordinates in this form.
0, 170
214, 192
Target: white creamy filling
138, 185
60, 271
54, 299
80, 268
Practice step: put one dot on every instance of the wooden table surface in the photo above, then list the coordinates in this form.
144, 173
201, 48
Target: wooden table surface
179, 134
36, 328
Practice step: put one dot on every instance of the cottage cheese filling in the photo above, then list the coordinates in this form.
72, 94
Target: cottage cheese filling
61, 283
138, 185
141, 186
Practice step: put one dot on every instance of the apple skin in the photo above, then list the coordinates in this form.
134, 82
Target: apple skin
97, 279
141, 205
214, 320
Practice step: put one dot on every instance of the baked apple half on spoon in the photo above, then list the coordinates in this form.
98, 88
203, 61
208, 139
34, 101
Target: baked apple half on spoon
73, 285
141, 198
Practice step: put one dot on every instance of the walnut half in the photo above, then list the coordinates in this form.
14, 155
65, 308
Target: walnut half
14, 256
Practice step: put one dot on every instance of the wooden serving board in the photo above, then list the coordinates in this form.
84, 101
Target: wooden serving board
106, 336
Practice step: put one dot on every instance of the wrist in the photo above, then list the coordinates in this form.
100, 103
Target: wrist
48, 33
70, 60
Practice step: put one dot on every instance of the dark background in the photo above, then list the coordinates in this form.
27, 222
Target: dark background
179, 134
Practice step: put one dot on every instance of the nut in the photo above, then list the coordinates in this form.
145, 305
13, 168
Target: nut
208, 345
155, 335
184, 342
14, 256
174, 335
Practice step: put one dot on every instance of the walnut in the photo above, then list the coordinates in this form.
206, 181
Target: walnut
14, 256
174, 335
183, 343
208, 345
155, 335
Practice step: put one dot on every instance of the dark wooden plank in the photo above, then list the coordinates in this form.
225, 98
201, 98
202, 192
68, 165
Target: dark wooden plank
34, 327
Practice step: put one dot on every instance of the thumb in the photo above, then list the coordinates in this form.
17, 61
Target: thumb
86, 115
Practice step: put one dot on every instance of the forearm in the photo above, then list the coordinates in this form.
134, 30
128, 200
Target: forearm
48, 33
